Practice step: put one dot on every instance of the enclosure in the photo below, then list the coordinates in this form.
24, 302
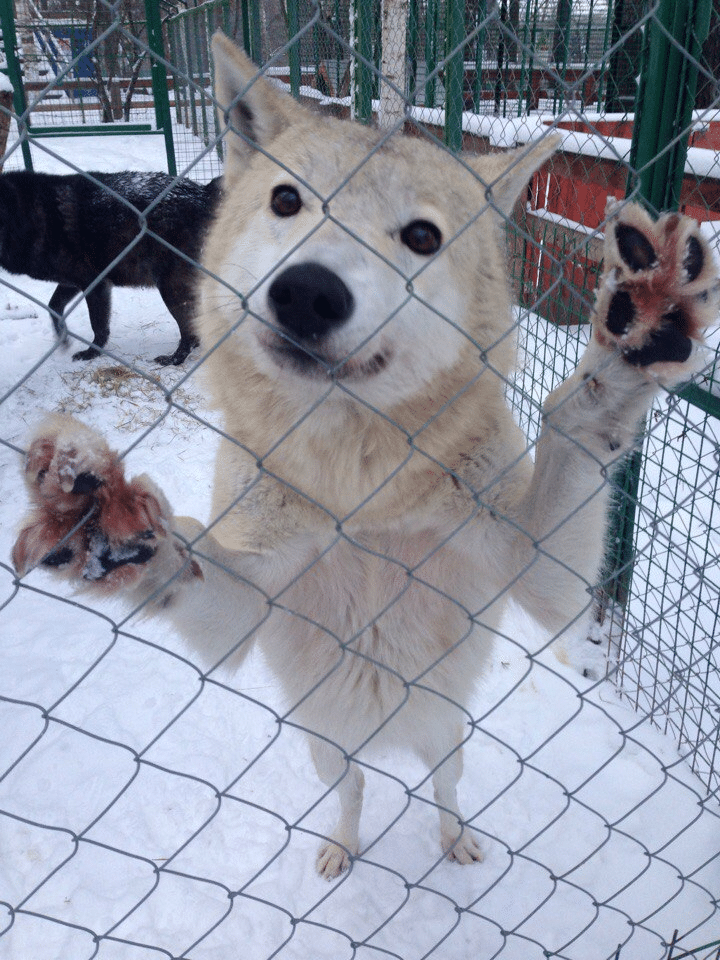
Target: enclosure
152, 808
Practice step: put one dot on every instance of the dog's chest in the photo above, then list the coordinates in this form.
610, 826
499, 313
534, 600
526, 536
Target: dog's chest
366, 615
375, 590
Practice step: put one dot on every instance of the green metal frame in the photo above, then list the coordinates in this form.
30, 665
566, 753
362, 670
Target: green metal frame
158, 72
14, 72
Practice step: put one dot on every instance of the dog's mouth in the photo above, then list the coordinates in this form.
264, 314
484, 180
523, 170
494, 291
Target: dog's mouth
311, 361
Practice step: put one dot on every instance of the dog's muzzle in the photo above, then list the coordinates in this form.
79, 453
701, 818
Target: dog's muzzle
309, 301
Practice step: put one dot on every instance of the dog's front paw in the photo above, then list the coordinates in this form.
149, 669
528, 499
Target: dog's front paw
659, 292
332, 860
462, 847
87, 521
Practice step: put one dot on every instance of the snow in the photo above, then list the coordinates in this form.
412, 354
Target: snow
152, 811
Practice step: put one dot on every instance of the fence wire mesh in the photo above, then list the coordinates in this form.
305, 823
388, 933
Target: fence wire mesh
150, 807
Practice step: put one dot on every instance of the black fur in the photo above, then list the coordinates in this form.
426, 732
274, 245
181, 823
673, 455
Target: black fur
70, 230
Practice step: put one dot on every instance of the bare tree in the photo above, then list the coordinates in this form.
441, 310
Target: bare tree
625, 61
118, 57
394, 58
709, 80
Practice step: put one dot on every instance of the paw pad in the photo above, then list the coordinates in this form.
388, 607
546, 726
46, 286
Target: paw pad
659, 292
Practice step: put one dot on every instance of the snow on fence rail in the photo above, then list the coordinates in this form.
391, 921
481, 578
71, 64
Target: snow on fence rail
153, 809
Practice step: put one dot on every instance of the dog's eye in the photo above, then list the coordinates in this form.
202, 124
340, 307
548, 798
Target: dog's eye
285, 201
421, 237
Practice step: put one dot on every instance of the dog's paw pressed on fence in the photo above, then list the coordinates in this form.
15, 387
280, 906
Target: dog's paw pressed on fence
87, 521
659, 292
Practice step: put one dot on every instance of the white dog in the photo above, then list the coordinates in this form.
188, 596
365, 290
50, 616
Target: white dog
375, 504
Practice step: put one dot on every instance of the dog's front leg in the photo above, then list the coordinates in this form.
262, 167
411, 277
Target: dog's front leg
109, 535
658, 293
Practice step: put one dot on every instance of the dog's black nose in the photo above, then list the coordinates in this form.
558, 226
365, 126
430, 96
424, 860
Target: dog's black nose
309, 300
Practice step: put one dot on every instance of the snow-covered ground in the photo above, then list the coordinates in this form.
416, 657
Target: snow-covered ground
149, 811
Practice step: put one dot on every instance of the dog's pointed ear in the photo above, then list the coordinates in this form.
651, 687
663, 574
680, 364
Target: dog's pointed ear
250, 108
505, 175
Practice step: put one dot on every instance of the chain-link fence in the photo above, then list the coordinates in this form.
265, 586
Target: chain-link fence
151, 807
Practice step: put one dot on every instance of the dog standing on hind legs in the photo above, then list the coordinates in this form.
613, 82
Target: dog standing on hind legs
374, 502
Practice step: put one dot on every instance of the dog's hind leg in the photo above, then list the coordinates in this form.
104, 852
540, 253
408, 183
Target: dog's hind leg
444, 757
334, 770
98, 304
178, 298
59, 300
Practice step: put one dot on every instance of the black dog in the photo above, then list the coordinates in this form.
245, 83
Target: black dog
72, 231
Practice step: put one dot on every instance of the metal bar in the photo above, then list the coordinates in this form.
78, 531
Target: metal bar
431, 32
412, 50
202, 51
255, 32
526, 68
362, 71
158, 76
245, 19
479, 51
705, 401
454, 72
94, 129
175, 56
7, 22
605, 65
293, 21
561, 42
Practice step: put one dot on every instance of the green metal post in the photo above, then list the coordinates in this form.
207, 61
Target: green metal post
479, 52
255, 32
7, 22
431, 32
412, 49
660, 135
245, 20
159, 79
293, 22
604, 70
561, 42
526, 71
663, 113
454, 72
